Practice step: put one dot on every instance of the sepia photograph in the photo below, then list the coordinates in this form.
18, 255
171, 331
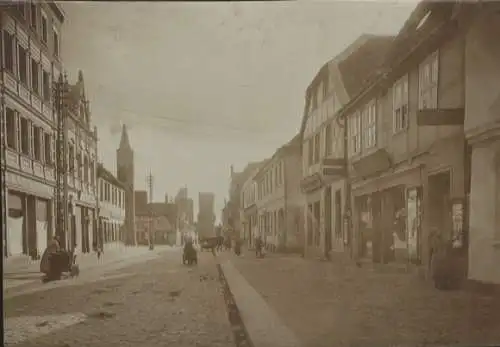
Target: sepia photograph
274, 173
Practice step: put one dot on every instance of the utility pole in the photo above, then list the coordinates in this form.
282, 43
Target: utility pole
149, 182
60, 94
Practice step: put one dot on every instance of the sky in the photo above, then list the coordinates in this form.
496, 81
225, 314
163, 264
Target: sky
203, 86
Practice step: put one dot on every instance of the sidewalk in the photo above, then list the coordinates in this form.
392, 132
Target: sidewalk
21, 271
326, 304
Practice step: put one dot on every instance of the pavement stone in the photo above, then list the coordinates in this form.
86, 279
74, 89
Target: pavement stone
327, 304
160, 302
27, 276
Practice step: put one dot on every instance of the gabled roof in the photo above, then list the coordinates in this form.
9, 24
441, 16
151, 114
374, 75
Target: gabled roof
418, 35
108, 176
358, 69
358, 65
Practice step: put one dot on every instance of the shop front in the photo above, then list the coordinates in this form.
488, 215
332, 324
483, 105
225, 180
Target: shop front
389, 200
333, 174
386, 216
29, 216
311, 188
83, 223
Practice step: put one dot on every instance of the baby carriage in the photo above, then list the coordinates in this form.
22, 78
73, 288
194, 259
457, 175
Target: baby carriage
55, 263
189, 254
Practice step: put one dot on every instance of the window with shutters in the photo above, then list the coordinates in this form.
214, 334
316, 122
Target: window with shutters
9, 51
79, 165
21, 8
56, 42
355, 133
48, 149
23, 64
11, 127
34, 16
328, 140
369, 119
428, 83
45, 28
71, 158
37, 143
25, 136
400, 104
35, 76
46, 85
317, 147
101, 189
85, 169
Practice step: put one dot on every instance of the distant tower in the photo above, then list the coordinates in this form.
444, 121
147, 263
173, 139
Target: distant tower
125, 173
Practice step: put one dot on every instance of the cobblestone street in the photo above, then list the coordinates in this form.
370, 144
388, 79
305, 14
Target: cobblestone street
159, 302
330, 305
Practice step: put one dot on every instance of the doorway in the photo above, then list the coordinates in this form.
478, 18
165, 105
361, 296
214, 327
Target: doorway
338, 215
328, 220
439, 203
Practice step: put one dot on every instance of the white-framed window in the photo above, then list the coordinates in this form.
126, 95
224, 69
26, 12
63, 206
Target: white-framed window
25, 135
48, 148
310, 154
317, 147
400, 104
328, 140
37, 143
34, 16
45, 28
369, 120
11, 128
355, 133
9, 51
101, 190
56, 43
46, 85
428, 75
22, 55
35, 76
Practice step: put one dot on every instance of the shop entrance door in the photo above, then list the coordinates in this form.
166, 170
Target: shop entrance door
439, 203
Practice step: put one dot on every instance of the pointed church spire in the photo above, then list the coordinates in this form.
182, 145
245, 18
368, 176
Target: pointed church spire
124, 142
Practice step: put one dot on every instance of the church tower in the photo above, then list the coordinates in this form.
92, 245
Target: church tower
125, 174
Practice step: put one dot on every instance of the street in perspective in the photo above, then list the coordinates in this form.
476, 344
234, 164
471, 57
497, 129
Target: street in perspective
261, 174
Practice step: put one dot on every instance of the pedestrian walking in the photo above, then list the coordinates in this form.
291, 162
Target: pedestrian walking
258, 247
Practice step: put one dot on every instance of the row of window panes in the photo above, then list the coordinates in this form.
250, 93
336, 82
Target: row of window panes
269, 223
111, 194
24, 137
332, 144
29, 12
319, 116
26, 66
249, 196
273, 179
111, 232
84, 170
